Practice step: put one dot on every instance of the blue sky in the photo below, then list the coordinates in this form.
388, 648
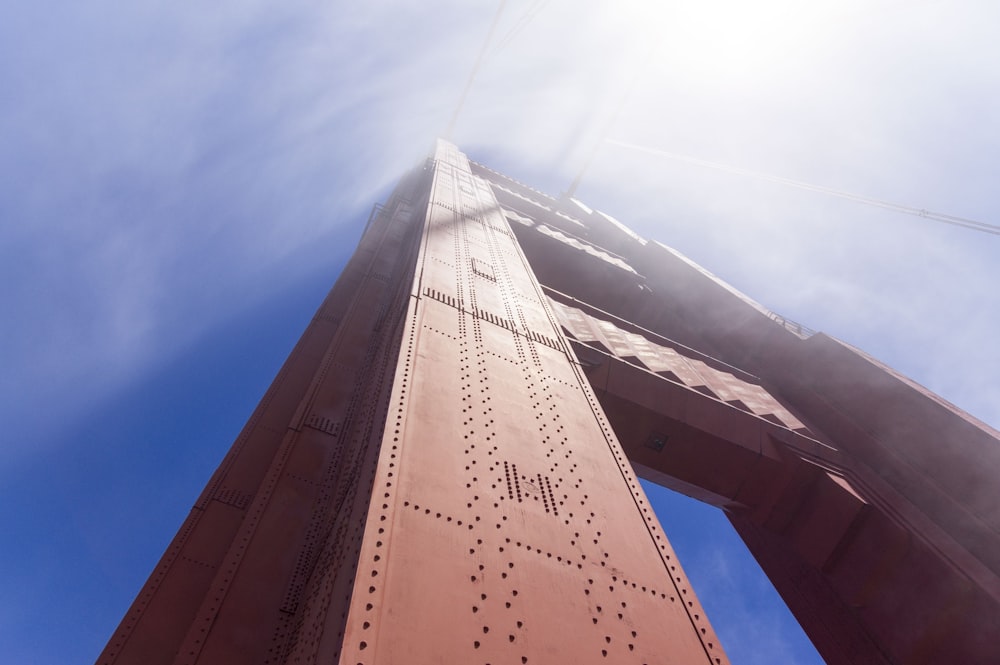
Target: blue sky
180, 185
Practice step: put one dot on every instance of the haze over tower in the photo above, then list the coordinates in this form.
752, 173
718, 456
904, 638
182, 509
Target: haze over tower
444, 469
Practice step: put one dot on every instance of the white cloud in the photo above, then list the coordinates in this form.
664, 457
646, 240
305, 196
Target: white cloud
161, 162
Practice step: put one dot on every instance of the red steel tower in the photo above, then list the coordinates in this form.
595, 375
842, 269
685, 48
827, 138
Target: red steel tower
444, 470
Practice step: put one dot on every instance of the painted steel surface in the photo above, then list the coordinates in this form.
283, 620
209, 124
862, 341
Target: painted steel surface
444, 469
264, 565
507, 525
430, 479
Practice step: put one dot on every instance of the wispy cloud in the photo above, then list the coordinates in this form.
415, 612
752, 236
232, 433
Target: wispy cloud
160, 165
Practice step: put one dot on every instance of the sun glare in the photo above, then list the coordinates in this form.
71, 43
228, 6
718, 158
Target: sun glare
736, 40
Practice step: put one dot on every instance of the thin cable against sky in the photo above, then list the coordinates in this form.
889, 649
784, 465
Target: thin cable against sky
529, 14
475, 70
898, 207
485, 52
637, 73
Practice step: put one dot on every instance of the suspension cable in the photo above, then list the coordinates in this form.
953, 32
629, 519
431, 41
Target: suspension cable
475, 70
898, 207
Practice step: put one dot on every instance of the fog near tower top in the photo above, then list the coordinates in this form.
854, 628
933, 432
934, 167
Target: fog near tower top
168, 171
177, 163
